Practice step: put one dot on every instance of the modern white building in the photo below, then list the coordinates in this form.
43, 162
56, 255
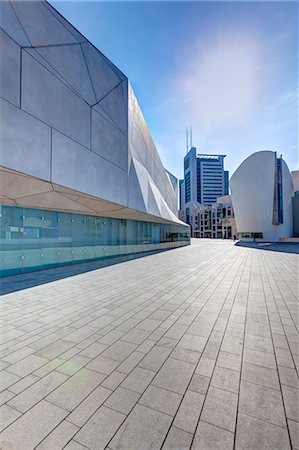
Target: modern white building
80, 175
262, 191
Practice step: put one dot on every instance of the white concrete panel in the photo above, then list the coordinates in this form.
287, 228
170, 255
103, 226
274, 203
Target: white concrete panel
98, 109
52, 200
143, 180
48, 99
6, 201
108, 142
103, 76
143, 149
69, 62
136, 200
153, 207
98, 206
10, 24
32, 52
115, 104
287, 194
252, 187
76, 167
24, 142
9, 69
15, 185
40, 25
65, 23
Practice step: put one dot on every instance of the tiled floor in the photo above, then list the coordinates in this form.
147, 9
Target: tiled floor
192, 348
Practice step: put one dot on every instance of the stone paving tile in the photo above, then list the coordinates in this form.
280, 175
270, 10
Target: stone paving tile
161, 400
178, 440
155, 358
103, 365
100, 428
294, 433
93, 350
188, 414
209, 437
220, 408
76, 389
229, 361
36, 392
7, 379
226, 379
262, 402
122, 400
32, 427
73, 365
253, 434
27, 365
73, 445
175, 375
23, 384
113, 380
259, 358
59, 437
89, 406
7, 416
148, 354
119, 351
291, 401
5, 396
138, 380
260, 375
144, 428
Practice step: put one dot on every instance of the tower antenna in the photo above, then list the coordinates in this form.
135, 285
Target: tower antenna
187, 140
191, 145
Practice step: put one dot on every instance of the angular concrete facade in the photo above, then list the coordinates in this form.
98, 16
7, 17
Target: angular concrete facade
73, 138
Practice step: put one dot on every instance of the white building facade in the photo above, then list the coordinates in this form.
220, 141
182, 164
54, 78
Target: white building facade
80, 176
262, 192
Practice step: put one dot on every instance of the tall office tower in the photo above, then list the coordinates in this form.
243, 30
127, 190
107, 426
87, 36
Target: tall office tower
226, 182
204, 178
182, 194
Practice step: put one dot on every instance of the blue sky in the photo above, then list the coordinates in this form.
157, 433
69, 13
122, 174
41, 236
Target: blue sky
229, 69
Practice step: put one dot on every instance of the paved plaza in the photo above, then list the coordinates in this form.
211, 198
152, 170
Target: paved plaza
191, 348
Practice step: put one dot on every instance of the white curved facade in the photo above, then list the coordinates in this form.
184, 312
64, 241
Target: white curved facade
263, 209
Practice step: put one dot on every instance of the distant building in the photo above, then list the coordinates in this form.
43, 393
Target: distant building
204, 178
262, 191
295, 179
215, 221
226, 182
295, 202
228, 221
181, 194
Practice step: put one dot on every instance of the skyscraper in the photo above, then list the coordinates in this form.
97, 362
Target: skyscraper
204, 178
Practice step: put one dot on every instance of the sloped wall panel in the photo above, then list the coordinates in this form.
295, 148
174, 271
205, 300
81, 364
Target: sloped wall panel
76, 123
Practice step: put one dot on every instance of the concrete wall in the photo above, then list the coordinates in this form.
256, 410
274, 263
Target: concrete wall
72, 132
252, 188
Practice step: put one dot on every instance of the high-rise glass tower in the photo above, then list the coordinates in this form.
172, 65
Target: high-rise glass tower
204, 178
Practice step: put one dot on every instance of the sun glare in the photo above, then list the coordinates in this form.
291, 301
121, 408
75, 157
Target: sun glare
225, 85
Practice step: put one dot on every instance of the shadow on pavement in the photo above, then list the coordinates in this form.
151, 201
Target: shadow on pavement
15, 283
283, 247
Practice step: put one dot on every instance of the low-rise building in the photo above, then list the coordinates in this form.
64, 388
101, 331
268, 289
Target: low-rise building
214, 221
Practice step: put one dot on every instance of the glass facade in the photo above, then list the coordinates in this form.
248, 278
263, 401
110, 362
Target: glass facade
33, 239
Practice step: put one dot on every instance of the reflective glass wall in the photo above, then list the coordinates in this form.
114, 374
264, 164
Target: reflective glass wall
32, 239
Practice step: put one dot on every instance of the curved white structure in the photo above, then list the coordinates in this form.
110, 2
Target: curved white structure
262, 191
